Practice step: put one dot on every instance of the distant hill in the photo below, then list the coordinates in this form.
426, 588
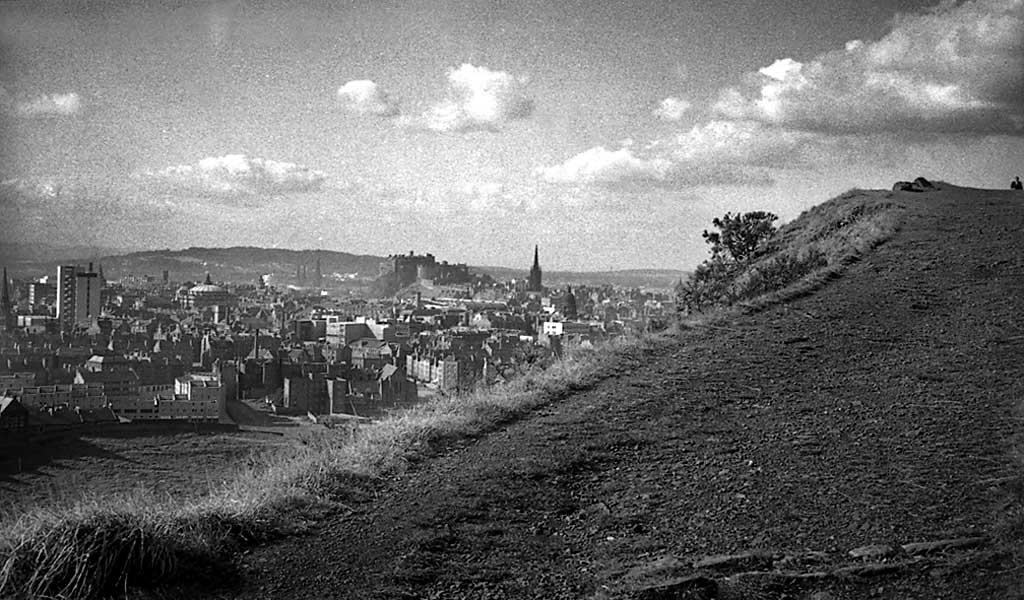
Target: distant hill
241, 264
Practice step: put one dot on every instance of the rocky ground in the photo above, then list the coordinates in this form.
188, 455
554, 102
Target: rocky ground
746, 460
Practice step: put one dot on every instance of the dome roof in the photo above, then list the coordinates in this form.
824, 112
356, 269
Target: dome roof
207, 288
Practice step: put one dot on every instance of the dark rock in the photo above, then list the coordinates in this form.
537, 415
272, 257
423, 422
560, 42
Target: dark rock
688, 588
918, 185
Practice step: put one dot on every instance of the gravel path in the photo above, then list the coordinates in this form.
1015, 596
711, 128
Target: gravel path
878, 411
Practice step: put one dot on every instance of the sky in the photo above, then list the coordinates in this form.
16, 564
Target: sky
610, 134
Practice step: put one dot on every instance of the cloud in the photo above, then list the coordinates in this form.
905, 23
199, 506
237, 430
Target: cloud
716, 153
47, 211
21, 189
672, 109
625, 170
477, 99
744, 144
363, 96
957, 69
490, 196
49, 105
608, 167
236, 175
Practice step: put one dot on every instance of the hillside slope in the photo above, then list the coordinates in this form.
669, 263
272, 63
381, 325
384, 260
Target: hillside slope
881, 410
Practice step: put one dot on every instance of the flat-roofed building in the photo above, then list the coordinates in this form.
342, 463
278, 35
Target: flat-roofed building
66, 296
80, 395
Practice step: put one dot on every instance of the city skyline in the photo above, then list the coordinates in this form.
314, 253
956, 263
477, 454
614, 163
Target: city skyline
609, 135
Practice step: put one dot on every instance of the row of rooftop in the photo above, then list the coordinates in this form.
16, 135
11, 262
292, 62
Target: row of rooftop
187, 351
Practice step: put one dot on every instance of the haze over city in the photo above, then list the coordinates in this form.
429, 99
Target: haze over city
609, 133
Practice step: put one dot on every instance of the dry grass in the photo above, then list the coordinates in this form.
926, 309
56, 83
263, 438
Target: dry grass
177, 463
102, 546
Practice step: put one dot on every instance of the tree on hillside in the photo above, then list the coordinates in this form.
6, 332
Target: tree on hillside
737, 239
739, 235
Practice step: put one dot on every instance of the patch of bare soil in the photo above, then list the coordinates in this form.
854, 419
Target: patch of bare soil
745, 461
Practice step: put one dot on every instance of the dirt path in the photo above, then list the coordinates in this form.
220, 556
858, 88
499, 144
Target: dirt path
878, 411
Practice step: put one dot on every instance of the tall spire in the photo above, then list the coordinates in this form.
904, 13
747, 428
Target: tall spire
535, 284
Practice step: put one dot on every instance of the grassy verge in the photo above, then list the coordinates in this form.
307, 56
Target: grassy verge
103, 546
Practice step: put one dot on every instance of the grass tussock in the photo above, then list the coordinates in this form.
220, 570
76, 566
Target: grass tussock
802, 256
100, 547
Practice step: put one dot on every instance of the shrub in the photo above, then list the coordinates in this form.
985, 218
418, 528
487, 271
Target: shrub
739, 236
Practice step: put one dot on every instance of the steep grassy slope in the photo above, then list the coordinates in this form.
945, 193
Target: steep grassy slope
96, 547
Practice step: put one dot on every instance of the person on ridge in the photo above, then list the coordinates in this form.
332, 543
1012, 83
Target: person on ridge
1016, 184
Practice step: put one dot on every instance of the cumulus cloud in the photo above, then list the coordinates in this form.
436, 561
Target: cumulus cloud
744, 144
957, 69
715, 153
477, 99
238, 175
626, 170
363, 96
672, 109
608, 167
49, 105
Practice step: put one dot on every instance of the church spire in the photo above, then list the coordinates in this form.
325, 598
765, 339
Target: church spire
535, 284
